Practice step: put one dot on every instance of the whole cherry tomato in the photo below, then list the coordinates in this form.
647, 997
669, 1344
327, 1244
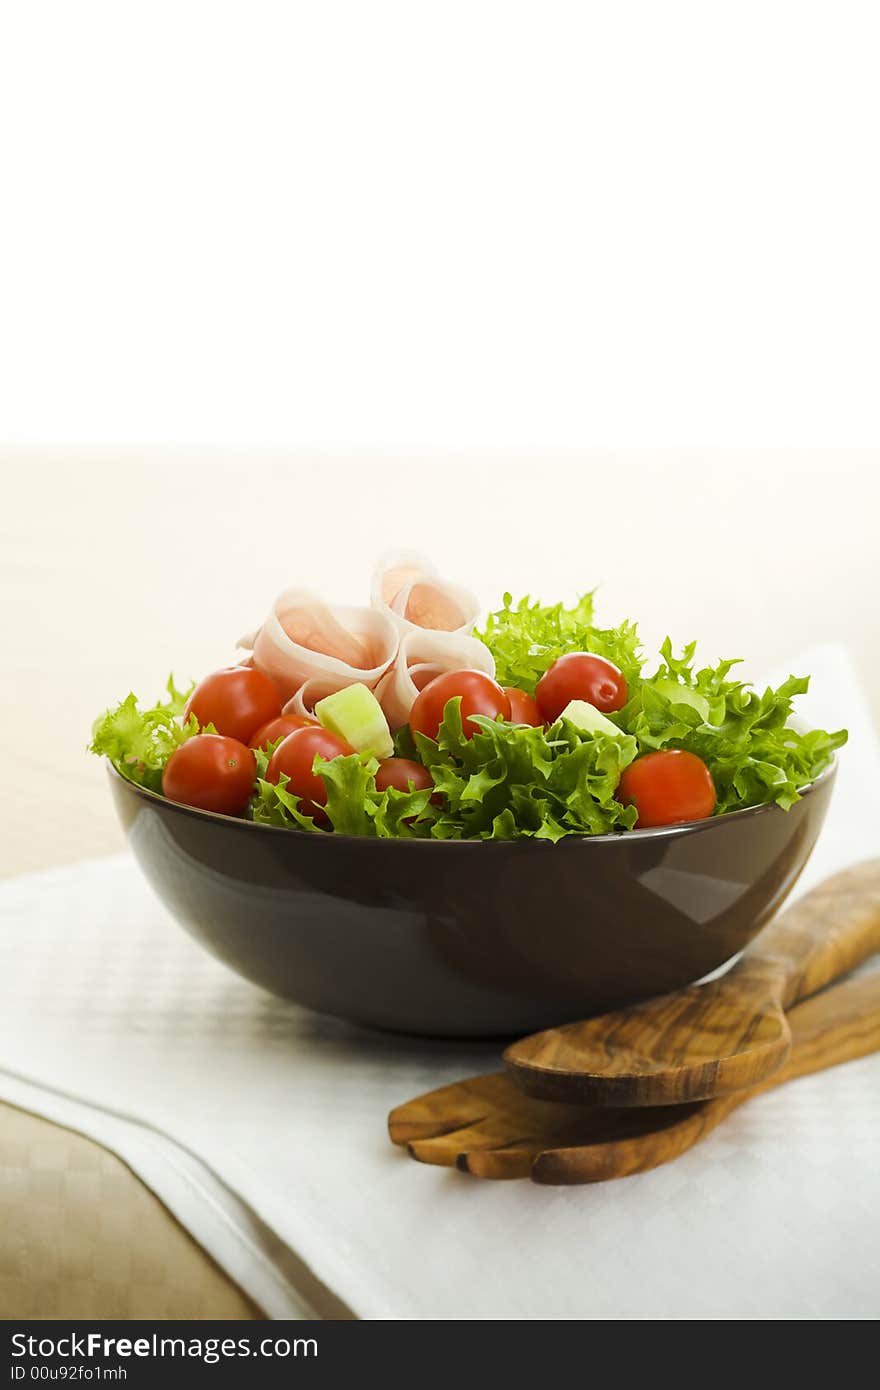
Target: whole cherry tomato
580, 676
668, 787
236, 700
479, 695
280, 727
523, 708
295, 756
212, 772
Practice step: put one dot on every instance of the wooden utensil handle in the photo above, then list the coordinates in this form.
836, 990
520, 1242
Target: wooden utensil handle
838, 1025
824, 935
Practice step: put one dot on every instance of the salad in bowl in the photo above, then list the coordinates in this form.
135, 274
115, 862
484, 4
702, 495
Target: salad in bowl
409, 719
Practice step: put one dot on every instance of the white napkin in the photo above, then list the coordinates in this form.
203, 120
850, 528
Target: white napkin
117, 1015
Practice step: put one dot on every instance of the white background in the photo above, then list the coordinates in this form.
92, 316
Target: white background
474, 224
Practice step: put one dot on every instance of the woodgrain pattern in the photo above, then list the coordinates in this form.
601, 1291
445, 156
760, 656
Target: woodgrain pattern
710, 1039
488, 1127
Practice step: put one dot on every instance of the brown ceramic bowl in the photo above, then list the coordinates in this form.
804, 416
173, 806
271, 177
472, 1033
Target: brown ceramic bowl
464, 938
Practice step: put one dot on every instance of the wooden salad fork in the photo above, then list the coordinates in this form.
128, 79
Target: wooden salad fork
487, 1126
709, 1039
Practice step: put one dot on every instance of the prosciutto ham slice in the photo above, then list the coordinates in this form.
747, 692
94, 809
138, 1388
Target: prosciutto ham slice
418, 626
423, 654
311, 648
408, 589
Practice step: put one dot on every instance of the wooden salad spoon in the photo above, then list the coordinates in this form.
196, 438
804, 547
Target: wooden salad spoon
488, 1127
709, 1039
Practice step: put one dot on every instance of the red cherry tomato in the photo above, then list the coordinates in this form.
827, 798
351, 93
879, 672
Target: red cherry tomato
580, 676
405, 775
295, 757
523, 709
236, 701
280, 727
212, 772
479, 695
668, 787
400, 772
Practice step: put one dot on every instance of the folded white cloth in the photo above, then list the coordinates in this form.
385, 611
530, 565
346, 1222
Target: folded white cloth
263, 1126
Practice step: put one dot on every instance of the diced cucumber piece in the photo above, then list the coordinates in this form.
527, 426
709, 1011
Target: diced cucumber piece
590, 720
683, 695
356, 715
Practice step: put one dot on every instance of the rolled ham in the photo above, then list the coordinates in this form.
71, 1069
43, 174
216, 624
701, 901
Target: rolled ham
408, 589
417, 627
311, 649
423, 654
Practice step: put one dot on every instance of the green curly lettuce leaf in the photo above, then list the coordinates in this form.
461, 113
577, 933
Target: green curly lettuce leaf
525, 638
273, 804
512, 780
350, 780
138, 741
745, 737
403, 815
354, 805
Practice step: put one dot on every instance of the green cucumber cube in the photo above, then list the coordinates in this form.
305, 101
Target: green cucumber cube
590, 720
356, 715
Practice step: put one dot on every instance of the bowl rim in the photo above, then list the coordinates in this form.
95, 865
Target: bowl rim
659, 832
